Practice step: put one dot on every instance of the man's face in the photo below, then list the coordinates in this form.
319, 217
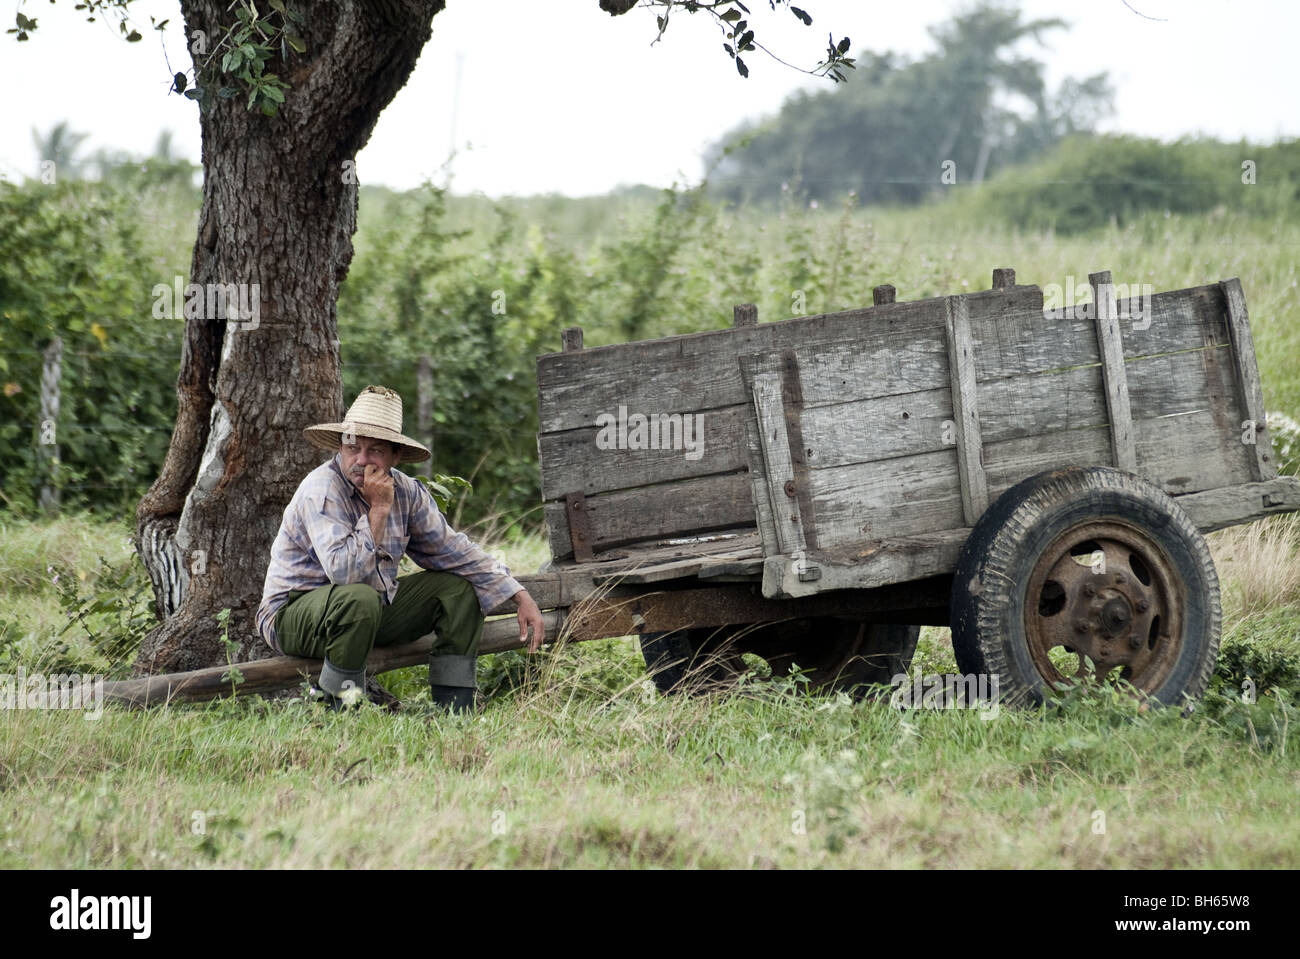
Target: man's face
362, 452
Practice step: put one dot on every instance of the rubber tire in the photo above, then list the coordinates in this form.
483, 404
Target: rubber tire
993, 569
704, 659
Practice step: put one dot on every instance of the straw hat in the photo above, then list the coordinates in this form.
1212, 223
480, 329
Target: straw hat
377, 413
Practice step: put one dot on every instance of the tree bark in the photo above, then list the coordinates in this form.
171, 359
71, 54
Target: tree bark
279, 210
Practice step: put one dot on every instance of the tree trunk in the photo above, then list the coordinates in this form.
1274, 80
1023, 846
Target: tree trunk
279, 211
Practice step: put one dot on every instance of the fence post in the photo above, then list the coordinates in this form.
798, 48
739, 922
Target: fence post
424, 402
48, 448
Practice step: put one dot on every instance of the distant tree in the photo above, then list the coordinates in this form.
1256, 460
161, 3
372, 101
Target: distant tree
896, 127
60, 145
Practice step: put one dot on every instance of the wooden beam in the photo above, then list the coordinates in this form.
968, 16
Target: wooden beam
880, 295
571, 339
1111, 347
580, 532
965, 410
778, 470
1250, 390
1004, 279
285, 672
1232, 505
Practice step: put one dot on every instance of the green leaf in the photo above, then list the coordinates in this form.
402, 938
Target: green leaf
298, 43
731, 16
227, 92
277, 6
274, 92
133, 36
741, 68
843, 48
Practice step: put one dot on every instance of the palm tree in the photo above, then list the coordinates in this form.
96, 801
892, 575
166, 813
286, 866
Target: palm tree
60, 145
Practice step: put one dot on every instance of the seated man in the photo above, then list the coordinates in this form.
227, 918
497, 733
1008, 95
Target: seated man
332, 590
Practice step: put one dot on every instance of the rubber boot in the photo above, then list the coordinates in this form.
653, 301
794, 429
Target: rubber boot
336, 687
452, 682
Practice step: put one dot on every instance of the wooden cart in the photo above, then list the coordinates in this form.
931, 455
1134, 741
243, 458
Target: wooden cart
812, 490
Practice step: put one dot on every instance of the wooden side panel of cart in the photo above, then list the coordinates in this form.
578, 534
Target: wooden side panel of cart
621, 498
870, 468
891, 447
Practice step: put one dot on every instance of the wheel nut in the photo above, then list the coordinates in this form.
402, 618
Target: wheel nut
1119, 579
1143, 605
1089, 589
1081, 626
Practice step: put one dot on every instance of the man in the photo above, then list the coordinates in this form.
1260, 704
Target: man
332, 590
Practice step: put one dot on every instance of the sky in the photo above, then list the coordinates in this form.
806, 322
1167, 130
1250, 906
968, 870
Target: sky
517, 97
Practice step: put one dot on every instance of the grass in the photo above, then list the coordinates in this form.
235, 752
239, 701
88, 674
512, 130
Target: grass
576, 761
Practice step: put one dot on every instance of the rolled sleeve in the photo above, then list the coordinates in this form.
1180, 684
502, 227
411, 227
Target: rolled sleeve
435, 545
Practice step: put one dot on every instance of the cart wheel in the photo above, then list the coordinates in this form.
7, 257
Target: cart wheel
835, 654
1086, 563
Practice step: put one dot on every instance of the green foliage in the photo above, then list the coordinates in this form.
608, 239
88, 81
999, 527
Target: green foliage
114, 612
246, 49
1087, 182
444, 488
73, 266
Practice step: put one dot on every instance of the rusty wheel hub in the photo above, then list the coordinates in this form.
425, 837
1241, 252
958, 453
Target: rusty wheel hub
1104, 592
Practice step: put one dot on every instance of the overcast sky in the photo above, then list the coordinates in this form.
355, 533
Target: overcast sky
556, 96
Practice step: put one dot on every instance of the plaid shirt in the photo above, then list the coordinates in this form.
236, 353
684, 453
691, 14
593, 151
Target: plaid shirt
325, 538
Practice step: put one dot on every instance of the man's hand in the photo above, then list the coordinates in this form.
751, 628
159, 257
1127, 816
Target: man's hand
529, 616
377, 488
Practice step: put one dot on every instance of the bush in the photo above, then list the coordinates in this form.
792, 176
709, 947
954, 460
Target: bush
1088, 182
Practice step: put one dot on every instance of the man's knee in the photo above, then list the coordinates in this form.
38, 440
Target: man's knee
357, 601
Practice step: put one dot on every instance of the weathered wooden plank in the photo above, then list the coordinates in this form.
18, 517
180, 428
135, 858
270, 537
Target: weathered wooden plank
1219, 508
1187, 453
792, 408
778, 464
580, 533
695, 566
698, 371
697, 505
572, 460
1249, 390
961, 368
875, 564
571, 339
1110, 347
899, 497
744, 314
1181, 454
1019, 342
878, 428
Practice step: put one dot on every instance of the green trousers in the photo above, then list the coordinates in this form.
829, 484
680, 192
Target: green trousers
342, 624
